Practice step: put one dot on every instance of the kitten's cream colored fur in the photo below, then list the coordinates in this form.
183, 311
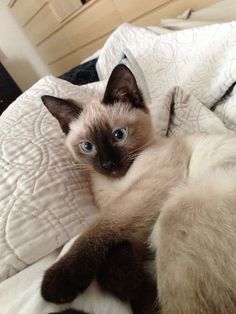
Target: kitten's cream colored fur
190, 182
184, 190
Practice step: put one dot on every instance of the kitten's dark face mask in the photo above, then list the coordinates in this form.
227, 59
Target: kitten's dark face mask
110, 155
109, 134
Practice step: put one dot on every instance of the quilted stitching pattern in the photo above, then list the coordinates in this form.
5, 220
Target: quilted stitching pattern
44, 200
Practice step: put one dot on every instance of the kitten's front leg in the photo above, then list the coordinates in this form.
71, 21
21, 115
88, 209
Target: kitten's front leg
73, 273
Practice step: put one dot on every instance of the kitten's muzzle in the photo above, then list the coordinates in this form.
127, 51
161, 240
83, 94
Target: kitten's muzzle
109, 165
114, 169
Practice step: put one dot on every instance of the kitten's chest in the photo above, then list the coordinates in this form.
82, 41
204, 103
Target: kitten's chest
145, 185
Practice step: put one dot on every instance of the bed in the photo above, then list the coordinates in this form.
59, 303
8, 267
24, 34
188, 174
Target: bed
44, 200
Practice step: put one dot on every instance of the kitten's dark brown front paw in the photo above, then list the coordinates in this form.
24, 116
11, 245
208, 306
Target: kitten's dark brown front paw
56, 286
64, 280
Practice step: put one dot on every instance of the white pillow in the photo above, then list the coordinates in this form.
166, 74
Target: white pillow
44, 199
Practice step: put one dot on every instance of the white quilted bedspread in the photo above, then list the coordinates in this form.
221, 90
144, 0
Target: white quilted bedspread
44, 201
201, 61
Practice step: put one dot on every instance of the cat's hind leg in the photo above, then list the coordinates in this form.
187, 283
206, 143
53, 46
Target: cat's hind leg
123, 275
195, 243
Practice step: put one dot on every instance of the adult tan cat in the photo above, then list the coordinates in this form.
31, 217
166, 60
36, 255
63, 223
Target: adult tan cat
178, 195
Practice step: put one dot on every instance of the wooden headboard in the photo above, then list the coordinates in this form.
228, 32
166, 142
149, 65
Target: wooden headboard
64, 32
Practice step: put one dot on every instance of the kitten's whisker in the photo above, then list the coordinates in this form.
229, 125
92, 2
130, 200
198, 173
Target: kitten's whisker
71, 167
130, 156
138, 149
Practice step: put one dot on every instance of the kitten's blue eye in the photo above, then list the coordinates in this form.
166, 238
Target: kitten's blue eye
120, 135
87, 147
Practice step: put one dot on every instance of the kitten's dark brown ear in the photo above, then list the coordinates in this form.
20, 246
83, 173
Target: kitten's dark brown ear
63, 110
122, 87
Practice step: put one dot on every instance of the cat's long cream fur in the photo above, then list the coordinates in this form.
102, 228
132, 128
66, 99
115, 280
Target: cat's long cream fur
191, 182
179, 195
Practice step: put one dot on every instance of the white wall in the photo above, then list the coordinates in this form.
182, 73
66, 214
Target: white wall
17, 54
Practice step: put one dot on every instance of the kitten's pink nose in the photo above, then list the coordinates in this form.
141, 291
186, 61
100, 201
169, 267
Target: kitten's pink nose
109, 165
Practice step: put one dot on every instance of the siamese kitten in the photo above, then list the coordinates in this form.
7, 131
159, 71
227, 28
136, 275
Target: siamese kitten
176, 194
